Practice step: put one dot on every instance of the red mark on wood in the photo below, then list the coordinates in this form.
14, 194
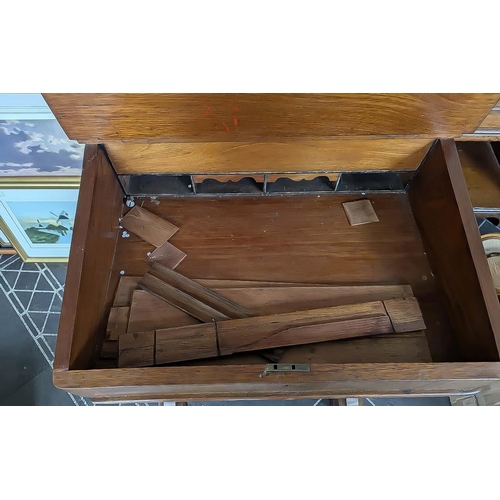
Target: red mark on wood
208, 111
227, 128
235, 121
235, 108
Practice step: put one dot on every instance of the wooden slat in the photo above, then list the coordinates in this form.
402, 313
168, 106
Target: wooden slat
179, 299
168, 255
117, 322
187, 342
125, 289
148, 312
86, 303
242, 117
442, 208
405, 314
275, 300
136, 349
265, 332
482, 175
278, 159
148, 226
220, 303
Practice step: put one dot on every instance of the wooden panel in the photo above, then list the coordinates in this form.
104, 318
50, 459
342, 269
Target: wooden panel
482, 175
85, 304
266, 332
187, 342
179, 299
211, 383
220, 303
390, 348
117, 322
148, 312
167, 254
148, 226
136, 349
278, 157
442, 209
125, 289
240, 117
405, 314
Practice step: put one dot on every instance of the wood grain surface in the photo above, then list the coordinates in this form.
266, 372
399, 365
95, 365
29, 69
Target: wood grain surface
492, 121
405, 314
482, 175
180, 299
360, 212
324, 380
239, 117
148, 312
125, 289
148, 226
278, 330
442, 208
168, 255
274, 157
220, 303
187, 342
86, 304
136, 349
117, 322
302, 239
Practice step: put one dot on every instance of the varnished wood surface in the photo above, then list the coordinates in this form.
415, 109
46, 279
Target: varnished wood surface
147, 226
226, 306
324, 380
136, 349
148, 312
239, 117
356, 154
405, 314
124, 290
492, 121
482, 175
442, 209
168, 255
302, 239
85, 304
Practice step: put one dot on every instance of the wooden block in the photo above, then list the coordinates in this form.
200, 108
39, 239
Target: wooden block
126, 285
148, 313
187, 342
148, 226
179, 299
109, 349
168, 255
117, 322
136, 349
360, 212
405, 314
218, 302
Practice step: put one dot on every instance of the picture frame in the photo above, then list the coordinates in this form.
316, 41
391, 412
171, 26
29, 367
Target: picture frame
38, 222
4, 242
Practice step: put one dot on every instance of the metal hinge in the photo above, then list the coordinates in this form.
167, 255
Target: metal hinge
286, 367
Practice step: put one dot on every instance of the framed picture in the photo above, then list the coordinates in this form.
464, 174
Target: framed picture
38, 223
